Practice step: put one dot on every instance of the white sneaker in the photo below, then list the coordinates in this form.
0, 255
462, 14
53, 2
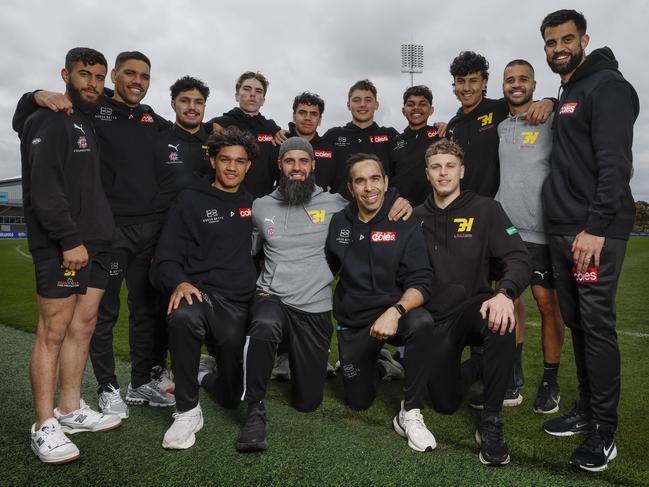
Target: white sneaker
111, 402
410, 424
86, 419
164, 378
50, 444
182, 433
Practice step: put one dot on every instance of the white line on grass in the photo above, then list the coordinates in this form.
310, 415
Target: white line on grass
635, 334
22, 253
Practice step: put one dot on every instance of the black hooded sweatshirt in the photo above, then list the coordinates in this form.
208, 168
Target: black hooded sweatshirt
377, 262
409, 159
207, 239
324, 154
588, 185
461, 239
263, 172
350, 140
477, 133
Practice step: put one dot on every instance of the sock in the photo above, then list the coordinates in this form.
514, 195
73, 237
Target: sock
550, 372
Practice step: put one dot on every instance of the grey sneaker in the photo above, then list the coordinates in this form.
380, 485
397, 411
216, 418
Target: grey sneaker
150, 394
393, 369
207, 364
86, 419
165, 379
282, 370
111, 402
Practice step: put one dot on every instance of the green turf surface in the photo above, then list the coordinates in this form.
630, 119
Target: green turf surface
332, 446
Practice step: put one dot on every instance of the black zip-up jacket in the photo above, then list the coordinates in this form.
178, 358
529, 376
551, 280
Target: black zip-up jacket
181, 157
263, 172
461, 239
126, 138
64, 203
350, 140
477, 133
324, 154
590, 167
207, 239
377, 261
409, 159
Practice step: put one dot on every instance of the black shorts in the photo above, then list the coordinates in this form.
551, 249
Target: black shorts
541, 265
55, 281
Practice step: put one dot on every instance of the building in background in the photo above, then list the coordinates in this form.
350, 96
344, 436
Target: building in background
12, 218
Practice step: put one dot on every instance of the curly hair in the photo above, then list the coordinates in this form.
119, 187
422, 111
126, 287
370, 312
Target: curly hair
187, 83
85, 55
470, 62
231, 136
308, 98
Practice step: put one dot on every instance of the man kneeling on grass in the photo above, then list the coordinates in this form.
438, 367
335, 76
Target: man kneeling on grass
385, 277
463, 231
204, 260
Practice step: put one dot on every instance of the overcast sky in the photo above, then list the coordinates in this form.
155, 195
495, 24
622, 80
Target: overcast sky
320, 46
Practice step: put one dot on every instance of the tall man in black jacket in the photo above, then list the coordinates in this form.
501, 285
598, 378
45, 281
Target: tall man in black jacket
589, 213
204, 260
463, 232
385, 277
70, 227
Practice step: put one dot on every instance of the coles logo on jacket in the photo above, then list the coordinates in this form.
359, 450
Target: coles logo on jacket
245, 212
146, 118
567, 109
383, 237
590, 275
264, 137
432, 133
375, 139
323, 154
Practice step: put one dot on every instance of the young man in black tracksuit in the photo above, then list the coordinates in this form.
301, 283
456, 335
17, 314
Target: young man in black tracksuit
204, 260
408, 152
589, 212
362, 134
250, 93
126, 131
385, 277
463, 231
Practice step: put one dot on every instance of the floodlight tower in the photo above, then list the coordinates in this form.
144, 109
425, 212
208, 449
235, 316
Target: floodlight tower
412, 59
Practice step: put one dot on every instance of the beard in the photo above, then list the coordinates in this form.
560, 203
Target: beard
570, 66
78, 100
297, 193
521, 102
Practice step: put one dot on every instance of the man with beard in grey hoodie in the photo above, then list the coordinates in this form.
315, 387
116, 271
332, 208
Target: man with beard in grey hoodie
291, 308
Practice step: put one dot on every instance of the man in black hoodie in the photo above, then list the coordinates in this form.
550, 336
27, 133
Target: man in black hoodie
362, 134
589, 213
463, 232
385, 277
204, 260
250, 93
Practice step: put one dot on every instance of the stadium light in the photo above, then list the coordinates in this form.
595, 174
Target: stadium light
412, 59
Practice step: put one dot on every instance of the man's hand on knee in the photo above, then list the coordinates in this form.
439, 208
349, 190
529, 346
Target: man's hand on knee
499, 311
386, 325
185, 291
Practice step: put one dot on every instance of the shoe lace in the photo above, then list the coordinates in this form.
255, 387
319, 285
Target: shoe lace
414, 419
256, 420
593, 441
113, 395
183, 417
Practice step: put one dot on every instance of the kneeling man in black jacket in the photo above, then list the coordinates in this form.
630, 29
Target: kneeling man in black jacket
463, 231
385, 277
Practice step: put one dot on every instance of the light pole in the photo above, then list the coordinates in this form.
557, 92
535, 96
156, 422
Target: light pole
412, 59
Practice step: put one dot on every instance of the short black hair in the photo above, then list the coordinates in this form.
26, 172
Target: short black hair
187, 83
361, 156
419, 90
519, 62
470, 62
85, 55
363, 85
232, 136
308, 98
561, 17
122, 57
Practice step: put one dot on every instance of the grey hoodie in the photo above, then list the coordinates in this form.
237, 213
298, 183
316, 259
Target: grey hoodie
293, 239
524, 152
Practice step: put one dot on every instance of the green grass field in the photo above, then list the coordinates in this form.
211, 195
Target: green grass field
333, 445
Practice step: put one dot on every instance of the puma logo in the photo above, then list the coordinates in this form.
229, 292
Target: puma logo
80, 127
174, 147
271, 220
542, 274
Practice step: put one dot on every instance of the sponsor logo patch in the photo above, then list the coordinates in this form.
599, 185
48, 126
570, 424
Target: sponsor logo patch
432, 133
591, 275
376, 139
82, 142
317, 216
486, 119
212, 216
146, 118
567, 109
245, 212
379, 237
511, 231
36, 141
529, 137
173, 157
323, 154
464, 224
265, 138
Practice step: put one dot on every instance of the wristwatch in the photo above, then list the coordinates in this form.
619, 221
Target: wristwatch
399, 308
506, 291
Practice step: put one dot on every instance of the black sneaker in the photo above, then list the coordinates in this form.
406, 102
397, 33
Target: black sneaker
575, 421
512, 398
253, 434
519, 377
547, 398
489, 435
594, 453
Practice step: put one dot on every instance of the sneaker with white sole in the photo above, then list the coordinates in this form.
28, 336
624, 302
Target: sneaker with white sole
207, 364
410, 425
85, 419
110, 402
512, 398
282, 369
149, 393
393, 369
182, 433
164, 377
50, 445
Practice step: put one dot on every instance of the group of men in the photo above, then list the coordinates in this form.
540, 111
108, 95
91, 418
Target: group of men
229, 233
